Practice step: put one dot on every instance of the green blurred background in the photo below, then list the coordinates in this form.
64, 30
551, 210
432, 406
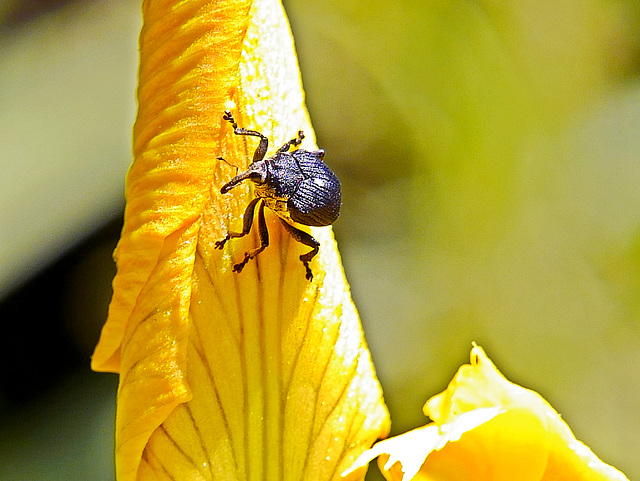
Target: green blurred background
490, 159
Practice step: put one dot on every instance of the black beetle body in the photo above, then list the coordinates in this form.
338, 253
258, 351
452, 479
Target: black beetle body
311, 190
298, 186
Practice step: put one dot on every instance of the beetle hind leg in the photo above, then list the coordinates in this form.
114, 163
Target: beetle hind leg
306, 239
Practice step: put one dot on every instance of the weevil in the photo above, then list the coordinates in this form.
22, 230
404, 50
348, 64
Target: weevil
298, 186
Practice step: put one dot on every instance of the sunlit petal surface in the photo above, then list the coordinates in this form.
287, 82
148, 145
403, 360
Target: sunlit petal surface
487, 428
258, 375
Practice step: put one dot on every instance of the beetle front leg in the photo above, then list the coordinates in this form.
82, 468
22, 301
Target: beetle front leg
264, 141
263, 233
306, 239
297, 141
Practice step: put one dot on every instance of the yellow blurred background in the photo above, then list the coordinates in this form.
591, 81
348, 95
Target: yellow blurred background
490, 159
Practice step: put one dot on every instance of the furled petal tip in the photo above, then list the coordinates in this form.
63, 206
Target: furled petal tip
259, 374
486, 427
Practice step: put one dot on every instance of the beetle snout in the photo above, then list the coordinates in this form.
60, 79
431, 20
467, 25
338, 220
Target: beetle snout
257, 172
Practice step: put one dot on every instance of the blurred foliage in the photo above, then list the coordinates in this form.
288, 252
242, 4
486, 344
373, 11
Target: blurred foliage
490, 158
493, 154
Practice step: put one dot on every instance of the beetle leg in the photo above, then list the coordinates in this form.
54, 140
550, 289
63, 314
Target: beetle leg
246, 225
264, 141
306, 239
296, 141
264, 241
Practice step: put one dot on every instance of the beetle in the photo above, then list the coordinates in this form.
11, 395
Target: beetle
298, 186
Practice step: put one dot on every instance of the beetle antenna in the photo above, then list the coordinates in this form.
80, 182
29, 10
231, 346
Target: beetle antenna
230, 164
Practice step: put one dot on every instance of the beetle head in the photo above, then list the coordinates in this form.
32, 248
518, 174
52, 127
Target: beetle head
257, 172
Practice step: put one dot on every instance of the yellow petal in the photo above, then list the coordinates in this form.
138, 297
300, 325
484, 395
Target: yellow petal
257, 375
480, 384
488, 428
